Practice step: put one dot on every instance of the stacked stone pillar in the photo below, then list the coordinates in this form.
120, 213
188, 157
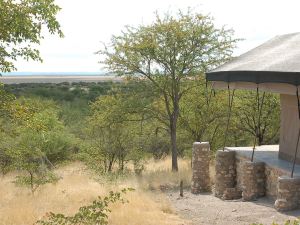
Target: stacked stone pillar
200, 167
288, 193
253, 181
225, 172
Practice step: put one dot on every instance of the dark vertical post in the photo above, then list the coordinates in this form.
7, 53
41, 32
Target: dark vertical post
230, 103
259, 110
181, 188
296, 150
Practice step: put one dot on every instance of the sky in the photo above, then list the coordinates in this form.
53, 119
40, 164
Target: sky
89, 23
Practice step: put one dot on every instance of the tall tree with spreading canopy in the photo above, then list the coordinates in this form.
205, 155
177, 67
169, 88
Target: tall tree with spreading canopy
21, 29
168, 52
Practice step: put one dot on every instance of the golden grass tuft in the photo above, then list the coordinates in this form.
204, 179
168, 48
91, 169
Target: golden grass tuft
76, 188
159, 176
144, 209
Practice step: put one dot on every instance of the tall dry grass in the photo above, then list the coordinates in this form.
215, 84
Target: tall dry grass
77, 188
158, 175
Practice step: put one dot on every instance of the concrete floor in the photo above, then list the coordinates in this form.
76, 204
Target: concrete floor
269, 155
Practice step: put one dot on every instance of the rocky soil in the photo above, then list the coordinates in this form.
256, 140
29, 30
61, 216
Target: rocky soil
205, 209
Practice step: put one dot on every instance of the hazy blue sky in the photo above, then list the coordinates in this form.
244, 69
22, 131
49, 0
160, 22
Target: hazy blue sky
87, 23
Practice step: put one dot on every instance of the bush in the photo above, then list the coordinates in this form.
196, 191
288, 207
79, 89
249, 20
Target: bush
35, 182
93, 214
40, 141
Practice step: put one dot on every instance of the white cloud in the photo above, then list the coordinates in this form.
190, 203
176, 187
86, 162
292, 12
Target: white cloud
88, 22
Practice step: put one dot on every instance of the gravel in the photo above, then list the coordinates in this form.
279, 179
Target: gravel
205, 209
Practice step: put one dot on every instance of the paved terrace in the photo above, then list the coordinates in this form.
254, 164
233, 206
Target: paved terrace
269, 155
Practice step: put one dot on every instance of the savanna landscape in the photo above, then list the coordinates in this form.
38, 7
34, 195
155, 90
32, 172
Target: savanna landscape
66, 144
119, 152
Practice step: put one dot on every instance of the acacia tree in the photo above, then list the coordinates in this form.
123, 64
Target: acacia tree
21, 25
168, 52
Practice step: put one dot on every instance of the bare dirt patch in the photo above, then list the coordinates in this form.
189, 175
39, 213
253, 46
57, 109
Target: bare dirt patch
205, 209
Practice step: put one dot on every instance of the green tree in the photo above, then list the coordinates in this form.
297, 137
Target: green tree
21, 26
112, 131
202, 114
6, 129
265, 128
168, 52
40, 141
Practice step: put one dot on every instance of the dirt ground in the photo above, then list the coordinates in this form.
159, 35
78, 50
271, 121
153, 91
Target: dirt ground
205, 209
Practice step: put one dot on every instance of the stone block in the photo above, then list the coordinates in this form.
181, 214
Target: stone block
253, 180
232, 193
200, 167
225, 172
288, 193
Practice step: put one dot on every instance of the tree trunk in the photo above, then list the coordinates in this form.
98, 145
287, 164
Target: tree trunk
31, 182
121, 162
260, 139
173, 113
173, 131
111, 163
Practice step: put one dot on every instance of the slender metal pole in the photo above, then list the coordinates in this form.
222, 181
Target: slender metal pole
230, 103
296, 150
206, 92
259, 109
208, 98
255, 125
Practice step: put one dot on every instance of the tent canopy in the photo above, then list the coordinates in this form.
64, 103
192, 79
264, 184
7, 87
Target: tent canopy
275, 61
273, 66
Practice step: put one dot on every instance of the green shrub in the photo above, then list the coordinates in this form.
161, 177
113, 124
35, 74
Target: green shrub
36, 180
93, 214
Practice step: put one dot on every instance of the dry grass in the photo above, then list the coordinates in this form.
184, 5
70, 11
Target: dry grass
77, 188
158, 175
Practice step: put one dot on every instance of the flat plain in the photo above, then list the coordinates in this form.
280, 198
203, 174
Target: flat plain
57, 79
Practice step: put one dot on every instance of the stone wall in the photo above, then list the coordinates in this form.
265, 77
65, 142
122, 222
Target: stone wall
237, 177
225, 181
271, 177
288, 194
253, 181
239, 171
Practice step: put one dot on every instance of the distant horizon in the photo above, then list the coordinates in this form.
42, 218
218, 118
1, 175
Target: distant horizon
45, 73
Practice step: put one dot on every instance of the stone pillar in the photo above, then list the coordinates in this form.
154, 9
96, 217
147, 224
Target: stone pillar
225, 172
253, 181
200, 167
287, 193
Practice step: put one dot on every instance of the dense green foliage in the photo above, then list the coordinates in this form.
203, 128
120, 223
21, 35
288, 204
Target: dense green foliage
21, 26
34, 140
126, 123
